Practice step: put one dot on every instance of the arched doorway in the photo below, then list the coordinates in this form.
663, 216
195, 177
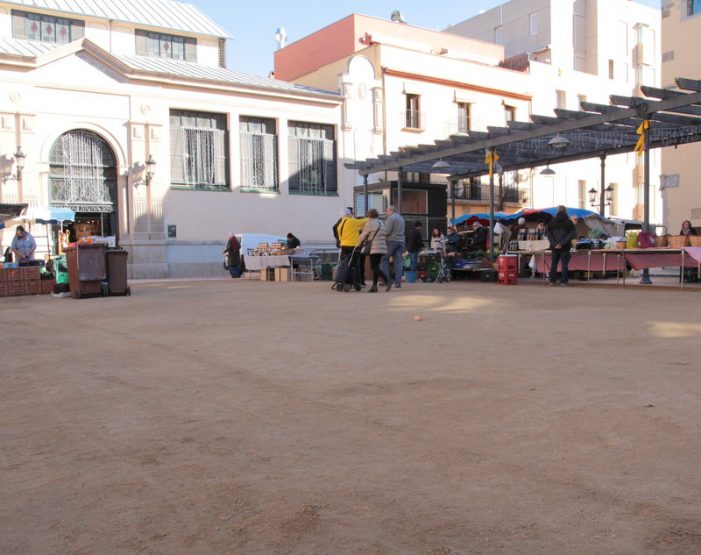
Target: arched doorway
83, 177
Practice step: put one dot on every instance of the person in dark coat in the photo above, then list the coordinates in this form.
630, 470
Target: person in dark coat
414, 244
233, 256
293, 242
560, 232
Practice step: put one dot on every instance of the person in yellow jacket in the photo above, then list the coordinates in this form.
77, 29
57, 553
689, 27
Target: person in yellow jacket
348, 232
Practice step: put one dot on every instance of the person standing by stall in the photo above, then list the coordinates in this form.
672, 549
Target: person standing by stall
394, 230
23, 246
373, 239
560, 233
233, 256
414, 244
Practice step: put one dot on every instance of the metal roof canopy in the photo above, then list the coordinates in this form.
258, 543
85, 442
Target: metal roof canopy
595, 131
598, 130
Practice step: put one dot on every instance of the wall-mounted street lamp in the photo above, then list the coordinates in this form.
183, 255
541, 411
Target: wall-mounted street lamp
19, 161
19, 158
548, 171
150, 169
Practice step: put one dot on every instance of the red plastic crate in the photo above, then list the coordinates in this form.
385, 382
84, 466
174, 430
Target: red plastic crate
508, 262
30, 273
3, 289
13, 274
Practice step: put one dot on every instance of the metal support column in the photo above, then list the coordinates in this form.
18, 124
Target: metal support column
399, 192
602, 189
452, 199
491, 211
645, 278
365, 193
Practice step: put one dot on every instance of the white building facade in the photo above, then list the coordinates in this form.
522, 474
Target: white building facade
93, 99
581, 51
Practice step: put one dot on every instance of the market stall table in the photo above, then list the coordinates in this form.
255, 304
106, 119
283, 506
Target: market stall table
610, 260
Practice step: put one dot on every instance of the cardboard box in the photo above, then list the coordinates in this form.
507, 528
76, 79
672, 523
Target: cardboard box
267, 274
282, 274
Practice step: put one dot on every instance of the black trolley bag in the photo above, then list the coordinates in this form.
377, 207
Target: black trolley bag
342, 272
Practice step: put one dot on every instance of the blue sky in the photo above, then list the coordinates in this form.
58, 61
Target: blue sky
253, 23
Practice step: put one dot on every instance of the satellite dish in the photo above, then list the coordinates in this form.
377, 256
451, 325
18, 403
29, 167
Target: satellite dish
397, 17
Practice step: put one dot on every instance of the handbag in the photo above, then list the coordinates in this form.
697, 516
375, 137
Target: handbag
367, 245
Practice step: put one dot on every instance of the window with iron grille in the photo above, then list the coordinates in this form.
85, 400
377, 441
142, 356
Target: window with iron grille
413, 119
82, 172
46, 28
259, 164
160, 45
312, 158
199, 145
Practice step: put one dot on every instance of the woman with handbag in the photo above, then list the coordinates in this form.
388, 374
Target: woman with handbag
374, 243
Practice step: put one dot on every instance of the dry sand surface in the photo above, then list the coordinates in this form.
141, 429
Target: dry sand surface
234, 416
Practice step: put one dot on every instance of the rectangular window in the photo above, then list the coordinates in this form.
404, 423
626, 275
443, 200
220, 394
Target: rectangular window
498, 37
312, 159
581, 98
561, 100
413, 201
509, 113
259, 163
199, 145
375, 200
46, 28
413, 119
533, 19
160, 45
611, 72
693, 7
463, 117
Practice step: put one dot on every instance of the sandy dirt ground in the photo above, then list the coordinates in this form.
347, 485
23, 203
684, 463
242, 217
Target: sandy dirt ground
234, 416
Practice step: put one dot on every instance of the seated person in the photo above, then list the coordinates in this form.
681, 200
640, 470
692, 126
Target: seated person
480, 234
452, 242
293, 242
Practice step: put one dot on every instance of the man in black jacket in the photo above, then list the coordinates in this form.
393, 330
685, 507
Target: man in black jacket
560, 233
414, 244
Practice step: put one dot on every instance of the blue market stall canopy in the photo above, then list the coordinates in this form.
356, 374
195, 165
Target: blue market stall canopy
592, 220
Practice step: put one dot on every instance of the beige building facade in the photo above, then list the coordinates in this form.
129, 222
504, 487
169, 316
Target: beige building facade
404, 86
681, 42
91, 98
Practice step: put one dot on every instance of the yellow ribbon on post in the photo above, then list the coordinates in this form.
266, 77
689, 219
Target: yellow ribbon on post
642, 130
491, 159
